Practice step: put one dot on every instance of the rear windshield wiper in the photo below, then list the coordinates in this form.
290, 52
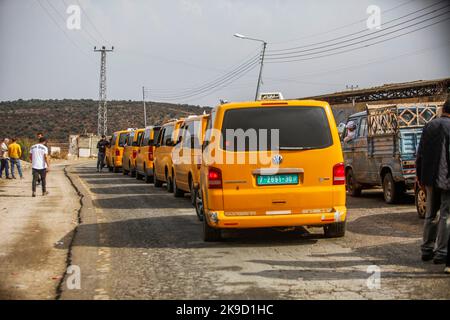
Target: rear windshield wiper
296, 148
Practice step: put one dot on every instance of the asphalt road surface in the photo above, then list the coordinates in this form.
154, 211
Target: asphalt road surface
139, 242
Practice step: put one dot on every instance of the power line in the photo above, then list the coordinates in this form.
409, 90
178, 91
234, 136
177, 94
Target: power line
290, 59
63, 31
341, 27
236, 71
92, 24
229, 79
363, 36
63, 19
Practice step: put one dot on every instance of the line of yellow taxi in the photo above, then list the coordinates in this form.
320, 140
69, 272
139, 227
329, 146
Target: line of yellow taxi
260, 164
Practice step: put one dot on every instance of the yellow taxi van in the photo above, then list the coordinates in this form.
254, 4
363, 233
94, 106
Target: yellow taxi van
130, 152
187, 156
162, 162
293, 175
145, 154
115, 153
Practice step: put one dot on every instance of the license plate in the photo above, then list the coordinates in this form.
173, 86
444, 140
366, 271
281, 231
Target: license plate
277, 179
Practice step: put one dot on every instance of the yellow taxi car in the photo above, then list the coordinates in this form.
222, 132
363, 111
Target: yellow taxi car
187, 156
130, 152
275, 163
144, 160
162, 162
115, 152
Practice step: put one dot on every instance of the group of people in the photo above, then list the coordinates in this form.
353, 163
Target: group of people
10, 157
10, 154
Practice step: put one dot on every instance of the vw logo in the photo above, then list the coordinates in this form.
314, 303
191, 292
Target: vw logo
277, 159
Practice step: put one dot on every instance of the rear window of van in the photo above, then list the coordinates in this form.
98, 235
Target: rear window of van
123, 139
300, 128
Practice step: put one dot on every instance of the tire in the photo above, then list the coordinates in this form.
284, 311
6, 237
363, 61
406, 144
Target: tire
192, 191
353, 189
211, 234
169, 184
115, 169
199, 205
132, 172
177, 193
124, 172
157, 183
148, 178
335, 230
420, 197
138, 176
391, 190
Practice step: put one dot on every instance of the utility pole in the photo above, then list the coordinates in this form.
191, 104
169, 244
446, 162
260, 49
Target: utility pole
145, 109
261, 69
352, 87
102, 125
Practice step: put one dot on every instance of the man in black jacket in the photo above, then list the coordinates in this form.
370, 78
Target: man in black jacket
101, 146
433, 172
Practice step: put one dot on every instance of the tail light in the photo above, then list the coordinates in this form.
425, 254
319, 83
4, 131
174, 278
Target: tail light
150, 154
339, 174
134, 154
117, 152
214, 178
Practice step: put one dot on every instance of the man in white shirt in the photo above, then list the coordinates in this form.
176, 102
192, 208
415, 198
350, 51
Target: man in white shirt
4, 158
39, 164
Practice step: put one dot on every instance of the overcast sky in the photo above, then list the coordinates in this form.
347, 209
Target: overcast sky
171, 45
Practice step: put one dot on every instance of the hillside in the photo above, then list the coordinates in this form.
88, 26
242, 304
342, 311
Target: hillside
57, 119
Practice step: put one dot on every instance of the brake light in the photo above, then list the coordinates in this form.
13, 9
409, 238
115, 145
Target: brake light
134, 154
214, 178
117, 152
150, 154
339, 174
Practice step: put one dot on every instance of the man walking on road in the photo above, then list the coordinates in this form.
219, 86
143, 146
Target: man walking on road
4, 158
433, 172
15, 153
101, 146
40, 165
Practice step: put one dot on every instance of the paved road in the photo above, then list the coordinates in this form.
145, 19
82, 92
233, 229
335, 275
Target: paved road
140, 242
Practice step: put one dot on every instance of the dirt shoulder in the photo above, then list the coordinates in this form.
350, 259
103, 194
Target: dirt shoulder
33, 259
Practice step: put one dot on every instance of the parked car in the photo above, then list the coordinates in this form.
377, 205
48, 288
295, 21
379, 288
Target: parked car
115, 151
301, 184
383, 149
130, 152
187, 157
145, 155
162, 162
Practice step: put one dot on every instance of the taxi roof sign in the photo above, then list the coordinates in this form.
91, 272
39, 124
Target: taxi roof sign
271, 96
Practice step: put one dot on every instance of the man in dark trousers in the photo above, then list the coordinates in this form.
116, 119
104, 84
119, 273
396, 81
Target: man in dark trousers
101, 146
433, 172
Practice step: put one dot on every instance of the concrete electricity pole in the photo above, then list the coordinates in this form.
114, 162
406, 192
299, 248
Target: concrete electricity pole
102, 126
352, 87
145, 109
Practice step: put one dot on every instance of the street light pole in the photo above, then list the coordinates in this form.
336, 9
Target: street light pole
237, 35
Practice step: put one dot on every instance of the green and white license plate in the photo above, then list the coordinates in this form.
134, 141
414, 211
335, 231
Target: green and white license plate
277, 179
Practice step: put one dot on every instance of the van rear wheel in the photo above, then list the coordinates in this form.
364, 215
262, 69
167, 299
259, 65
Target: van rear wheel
199, 205
178, 193
148, 178
334, 230
157, 183
169, 184
353, 188
211, 234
